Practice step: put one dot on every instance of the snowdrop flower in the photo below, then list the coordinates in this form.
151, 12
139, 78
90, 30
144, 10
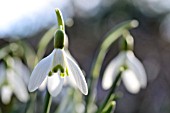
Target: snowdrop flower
21, 69
12, 82
70, 81
55, 68
134, 77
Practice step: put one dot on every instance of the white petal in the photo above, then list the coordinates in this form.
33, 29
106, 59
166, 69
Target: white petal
76, 72
18, 86
21, 70
40, 72
43, 85
69, 55
55, 84
2, 73
112, 70
59, 58
135, 65
6, 94
130, 81
66, 44
69, 80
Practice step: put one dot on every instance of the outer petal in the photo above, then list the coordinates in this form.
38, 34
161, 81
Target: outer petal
78, 75
135, 65
40, 72
66, 44
69, 55
55, 84
112, 70
130, 81
6, 93
69, 80
18, 86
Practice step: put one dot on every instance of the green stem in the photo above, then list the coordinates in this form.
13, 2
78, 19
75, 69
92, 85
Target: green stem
31, 103
127, 42
48, 100
29, 53
112, 36
112, 90
91, 85
109, 107
60, 19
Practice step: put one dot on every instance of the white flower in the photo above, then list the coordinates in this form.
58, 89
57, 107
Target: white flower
12, 82
6, 94
21, 69
55, 67
134, 77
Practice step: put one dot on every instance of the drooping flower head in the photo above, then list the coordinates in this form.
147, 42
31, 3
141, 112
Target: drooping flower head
13, 80
134, 75
57, 66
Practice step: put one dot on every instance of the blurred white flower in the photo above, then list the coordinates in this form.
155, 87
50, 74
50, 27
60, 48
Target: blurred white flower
12, 81
134, 77
21, 69
6, 94
55, 67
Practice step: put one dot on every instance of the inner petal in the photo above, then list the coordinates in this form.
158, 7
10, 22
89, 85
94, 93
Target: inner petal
55, 83
59, 58
130, 81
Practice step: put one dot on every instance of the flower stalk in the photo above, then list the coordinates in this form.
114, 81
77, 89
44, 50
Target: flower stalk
109, 107
112, 90
48, 101
127, 42
60, 19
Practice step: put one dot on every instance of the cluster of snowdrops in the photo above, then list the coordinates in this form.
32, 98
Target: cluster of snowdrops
58, 75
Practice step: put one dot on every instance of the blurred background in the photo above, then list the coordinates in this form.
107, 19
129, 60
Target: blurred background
87, 22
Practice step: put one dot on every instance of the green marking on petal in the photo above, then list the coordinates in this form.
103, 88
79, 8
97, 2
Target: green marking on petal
123, 68
50, 73
63, 72
67, 72
58, 67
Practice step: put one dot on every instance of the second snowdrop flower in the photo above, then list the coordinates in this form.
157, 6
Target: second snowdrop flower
134, 75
